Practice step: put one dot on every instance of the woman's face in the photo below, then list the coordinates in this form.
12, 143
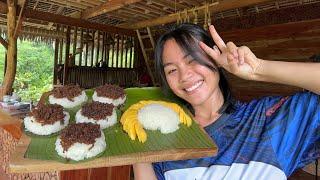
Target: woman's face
188, 79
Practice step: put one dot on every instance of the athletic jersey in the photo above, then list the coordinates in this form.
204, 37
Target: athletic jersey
265, 139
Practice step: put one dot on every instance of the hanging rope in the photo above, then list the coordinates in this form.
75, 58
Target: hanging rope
209, 16
205, 24
179, 21
195, 13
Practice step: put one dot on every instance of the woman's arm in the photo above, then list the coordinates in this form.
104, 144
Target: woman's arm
144, 171
304, 75
241, 62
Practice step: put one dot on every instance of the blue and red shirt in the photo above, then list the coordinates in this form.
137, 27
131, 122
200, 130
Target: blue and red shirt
265, 139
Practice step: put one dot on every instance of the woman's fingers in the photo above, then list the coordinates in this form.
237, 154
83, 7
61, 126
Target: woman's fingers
241, 53
232, 64
216, 38
232, 49
213, 53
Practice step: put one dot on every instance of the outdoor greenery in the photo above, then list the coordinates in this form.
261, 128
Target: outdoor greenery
34, 69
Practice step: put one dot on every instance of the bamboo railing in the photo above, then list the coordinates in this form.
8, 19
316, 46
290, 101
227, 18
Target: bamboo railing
90, 58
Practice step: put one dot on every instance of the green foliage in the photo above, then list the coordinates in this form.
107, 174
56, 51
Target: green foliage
34, 69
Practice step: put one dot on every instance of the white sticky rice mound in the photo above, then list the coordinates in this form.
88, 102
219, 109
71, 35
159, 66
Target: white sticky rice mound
66, 103
115, 102
35, 127
104, 123
158, 117
80, 151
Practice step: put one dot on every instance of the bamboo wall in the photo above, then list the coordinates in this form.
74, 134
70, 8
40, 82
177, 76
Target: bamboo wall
94, 57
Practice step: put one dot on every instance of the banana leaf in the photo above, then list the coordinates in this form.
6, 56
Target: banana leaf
119, 143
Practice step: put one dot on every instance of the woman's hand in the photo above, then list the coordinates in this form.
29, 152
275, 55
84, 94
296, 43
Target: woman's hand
239, 61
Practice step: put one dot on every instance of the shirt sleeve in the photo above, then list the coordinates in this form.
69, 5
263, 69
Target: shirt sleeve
158, 170
293, 124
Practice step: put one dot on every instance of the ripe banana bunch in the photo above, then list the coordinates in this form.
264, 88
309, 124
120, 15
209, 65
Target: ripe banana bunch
132, 126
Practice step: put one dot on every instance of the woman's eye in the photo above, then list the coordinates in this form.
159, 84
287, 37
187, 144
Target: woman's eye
171, 71
190, 61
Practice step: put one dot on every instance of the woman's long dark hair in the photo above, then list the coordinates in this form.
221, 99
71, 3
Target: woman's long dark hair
187, 36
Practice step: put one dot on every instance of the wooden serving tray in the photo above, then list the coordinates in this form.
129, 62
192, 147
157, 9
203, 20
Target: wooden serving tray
34, 154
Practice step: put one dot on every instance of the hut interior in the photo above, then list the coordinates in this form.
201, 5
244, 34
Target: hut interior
112, 41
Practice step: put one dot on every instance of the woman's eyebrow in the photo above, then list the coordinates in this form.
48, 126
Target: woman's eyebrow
167, 64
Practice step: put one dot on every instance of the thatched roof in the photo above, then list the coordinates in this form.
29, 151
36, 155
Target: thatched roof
138, 13
285, 20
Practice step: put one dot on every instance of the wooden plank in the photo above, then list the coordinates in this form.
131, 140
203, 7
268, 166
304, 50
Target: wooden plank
117, 52
75, 36
87, 48
270, 17
81, 174
112, 50
121, 54
20, 19
106, 7
92, 47
98, 47
67, 58
103, 53
294, 29
214, 7
60, 19
126, 51
19, 164
55, 60
81, 46
107, 50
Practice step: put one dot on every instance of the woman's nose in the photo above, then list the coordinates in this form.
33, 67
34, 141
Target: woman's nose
185, 73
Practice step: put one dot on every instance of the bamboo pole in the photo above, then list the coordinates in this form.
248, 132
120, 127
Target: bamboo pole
81, 46
98, 47
117, 54
92, 47
56, 56
61, 47
67, 59
126, 51
87, 43
74, 49
103, 56
121, 54
107, 53
12, 50
113, 47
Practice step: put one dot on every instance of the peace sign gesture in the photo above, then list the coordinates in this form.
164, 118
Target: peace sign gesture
239, 61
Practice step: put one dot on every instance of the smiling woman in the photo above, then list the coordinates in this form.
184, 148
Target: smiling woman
253, 138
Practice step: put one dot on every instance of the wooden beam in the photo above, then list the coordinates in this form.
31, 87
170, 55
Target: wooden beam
279, 16
4, 42
75, 22
285, 43
106, 7
20, 19
295, 29
60, 19
3, 7
214, 7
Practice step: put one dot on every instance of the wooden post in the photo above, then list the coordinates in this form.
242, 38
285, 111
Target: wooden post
75, 35
56, 56
92, 47
98, 48
12, 50
67, 59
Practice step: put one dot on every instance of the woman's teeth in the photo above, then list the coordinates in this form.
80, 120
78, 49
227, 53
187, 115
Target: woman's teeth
194, 86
